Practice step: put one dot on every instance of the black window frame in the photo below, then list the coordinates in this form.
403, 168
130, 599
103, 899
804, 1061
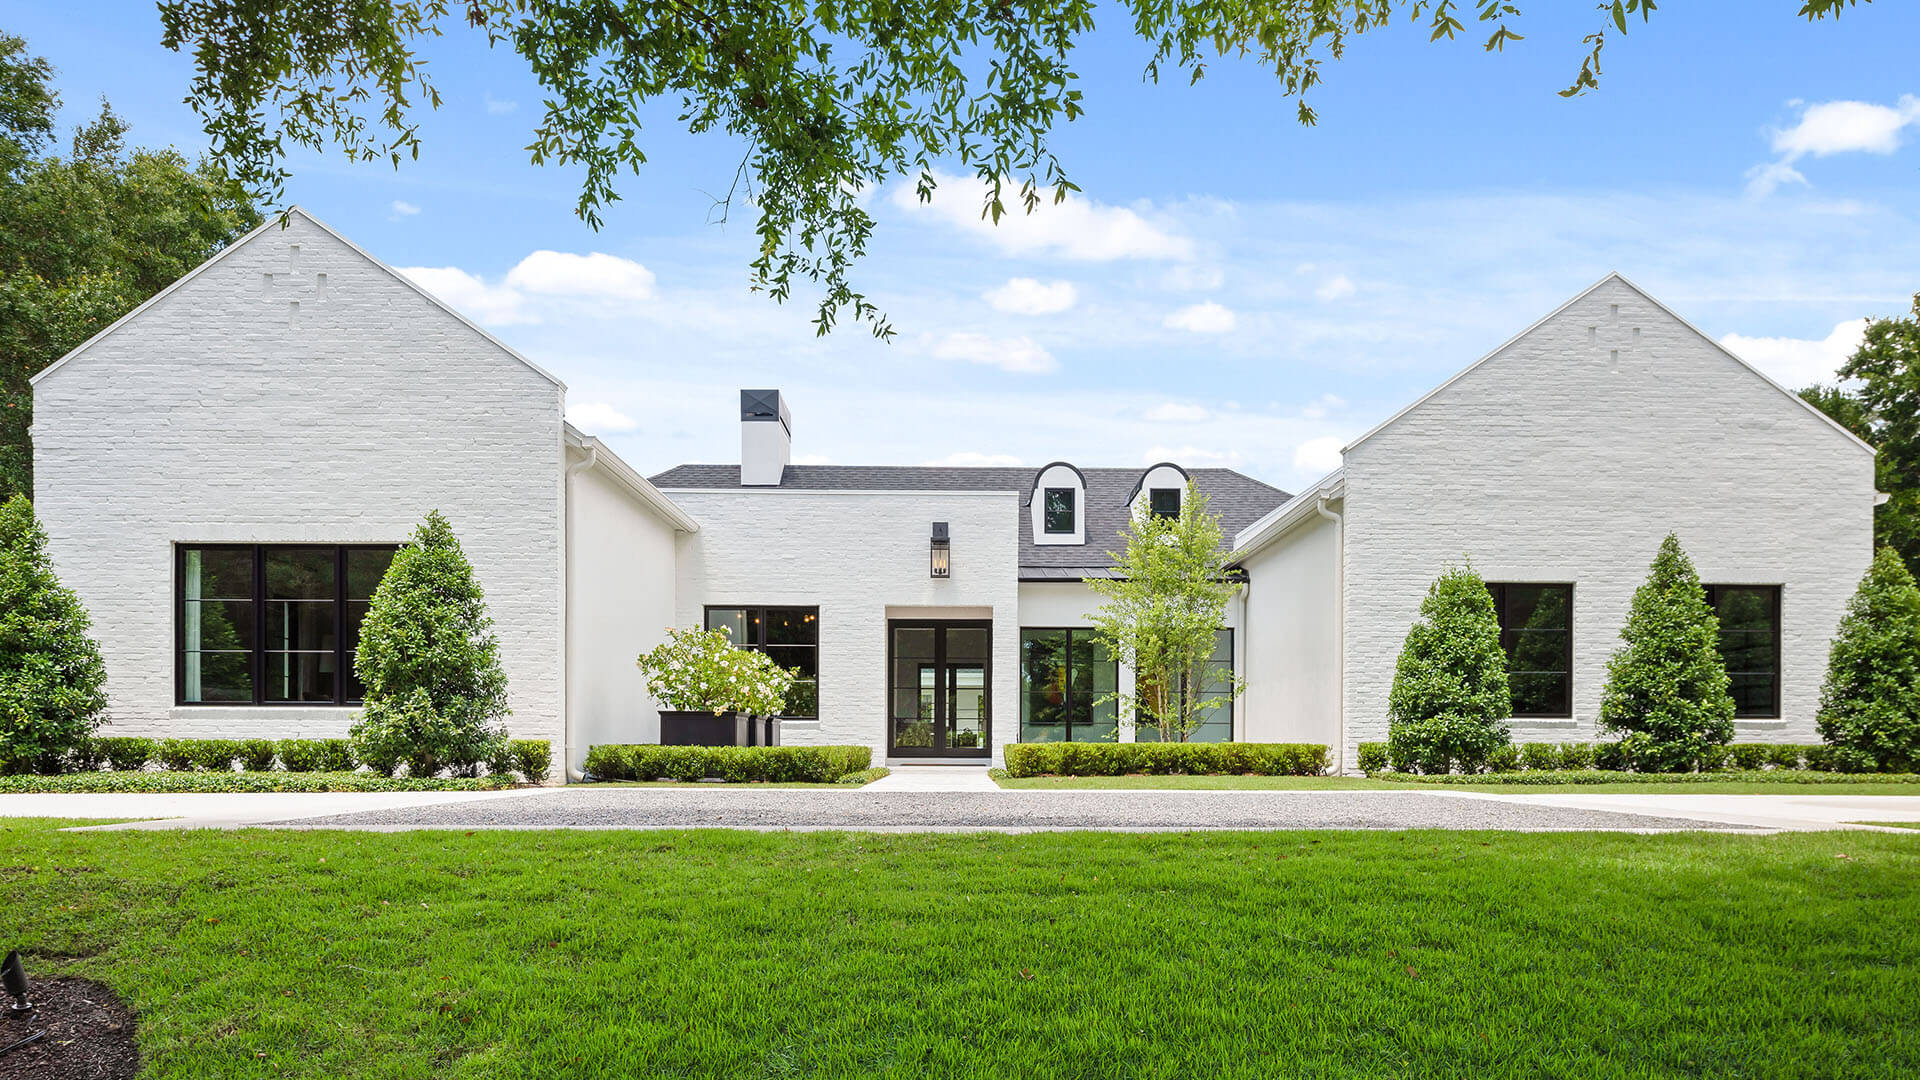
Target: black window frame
1047, 511
756, 616
1069, 692
257, 653
1778, 673
1509, 638
1155, 508
1152, 733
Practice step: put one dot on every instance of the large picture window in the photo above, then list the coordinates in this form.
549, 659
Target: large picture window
1750, 646
263, 624
1536, 631
1064, 674
790, 636
1216, 683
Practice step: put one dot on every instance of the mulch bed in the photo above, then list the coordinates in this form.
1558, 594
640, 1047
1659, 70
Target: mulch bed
89, 1034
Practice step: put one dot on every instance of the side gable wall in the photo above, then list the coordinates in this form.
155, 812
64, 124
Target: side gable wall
1567, 456
220, 415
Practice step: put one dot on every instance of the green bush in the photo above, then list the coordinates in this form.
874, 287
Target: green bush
1599, 777
1373, 757
1666, 692
431, 664
1450, 700
1539, 755
1788, 756
51, 675
733, 764
1828, 759
533, 757
1609, 757
214, 755
175, 755
1504, 758
316, 755
256, 755
125, 753
1162, 759
1749, 757
1870, 702
1576, 755
230, 782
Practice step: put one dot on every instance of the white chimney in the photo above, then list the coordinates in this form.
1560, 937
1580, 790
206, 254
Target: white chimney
766, 437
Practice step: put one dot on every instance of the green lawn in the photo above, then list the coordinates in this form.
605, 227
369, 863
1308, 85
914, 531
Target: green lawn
1352, 783
737, 954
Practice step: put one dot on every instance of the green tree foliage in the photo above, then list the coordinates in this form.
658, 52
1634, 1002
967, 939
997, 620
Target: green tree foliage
430, 662
1870, 705
825, 100
51, 675
1878, 399
1162, 610
1666, 692
86, 238
1450, 702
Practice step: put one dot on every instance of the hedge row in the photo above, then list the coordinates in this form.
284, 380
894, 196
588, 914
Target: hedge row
1606, 757
242, 782
1600, 777
732, 764
1123, 759
531, 758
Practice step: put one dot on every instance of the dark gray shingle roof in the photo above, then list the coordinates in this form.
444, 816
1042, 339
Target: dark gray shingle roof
1239, 499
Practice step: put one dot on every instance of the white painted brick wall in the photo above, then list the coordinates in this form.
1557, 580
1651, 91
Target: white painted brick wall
1557, 460
855, 555
211, 418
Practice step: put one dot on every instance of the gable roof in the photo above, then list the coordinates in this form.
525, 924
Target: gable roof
1239, 499
1576, 298
275, 221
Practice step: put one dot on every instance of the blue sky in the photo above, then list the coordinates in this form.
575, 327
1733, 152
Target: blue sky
1232, 288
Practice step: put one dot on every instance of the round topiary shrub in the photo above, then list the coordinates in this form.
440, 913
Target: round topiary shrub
1450, 701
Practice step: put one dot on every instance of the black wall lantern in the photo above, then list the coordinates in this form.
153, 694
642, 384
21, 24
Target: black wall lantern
940, 552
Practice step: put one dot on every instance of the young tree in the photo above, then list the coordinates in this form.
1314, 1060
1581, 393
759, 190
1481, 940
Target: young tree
828, 99
1870, 705
51, 675
1879, 400
86, 238
1666, 688
1163, 609
435, 691
1450, 700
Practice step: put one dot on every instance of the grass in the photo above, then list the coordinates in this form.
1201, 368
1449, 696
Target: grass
1889, 824
1084, 955
1354, 783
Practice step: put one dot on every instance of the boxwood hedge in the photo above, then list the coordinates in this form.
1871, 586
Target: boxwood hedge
248, 782
732, 764
1122, 759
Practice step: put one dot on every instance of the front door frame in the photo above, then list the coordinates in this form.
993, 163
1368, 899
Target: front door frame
942, 678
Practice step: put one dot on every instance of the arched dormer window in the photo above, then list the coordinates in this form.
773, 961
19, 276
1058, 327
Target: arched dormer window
1160, 490
1057, 505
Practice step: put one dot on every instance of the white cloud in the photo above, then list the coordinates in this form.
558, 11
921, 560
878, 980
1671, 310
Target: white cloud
1019, 355
1318, 456
1192, 455
1188, 278
600, 418
1074, 228
1797, 362
490, 305
1317, 410
1833, 127
1026, 296
402, 208
1203, 318
496, 107
1338, 287
975, 459
1177, 412
1840, 127
598, 275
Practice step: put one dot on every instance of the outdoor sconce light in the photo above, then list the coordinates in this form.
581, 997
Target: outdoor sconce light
940, 552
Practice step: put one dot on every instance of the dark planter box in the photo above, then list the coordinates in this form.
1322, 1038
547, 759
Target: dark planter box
724, 729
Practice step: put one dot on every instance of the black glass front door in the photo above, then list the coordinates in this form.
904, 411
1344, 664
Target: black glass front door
939, 689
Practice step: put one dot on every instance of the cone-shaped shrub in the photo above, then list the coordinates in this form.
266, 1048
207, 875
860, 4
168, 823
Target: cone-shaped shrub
50, 669
1450, 701
1870, 705
1666, 689
430, 662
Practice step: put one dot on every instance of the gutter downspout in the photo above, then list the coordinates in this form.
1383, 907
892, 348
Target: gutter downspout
1339, 624
566, 679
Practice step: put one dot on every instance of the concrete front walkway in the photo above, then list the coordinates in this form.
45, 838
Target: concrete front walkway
230, 810
935, 778
1788, 812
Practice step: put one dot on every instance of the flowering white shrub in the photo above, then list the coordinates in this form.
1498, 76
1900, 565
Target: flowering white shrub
701, 671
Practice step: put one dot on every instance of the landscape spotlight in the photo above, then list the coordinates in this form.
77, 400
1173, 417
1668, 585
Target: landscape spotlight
13, 977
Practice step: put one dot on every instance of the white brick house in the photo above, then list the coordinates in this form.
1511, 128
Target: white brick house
223, 472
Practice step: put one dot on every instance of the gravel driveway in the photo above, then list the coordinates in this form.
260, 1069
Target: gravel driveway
713, 807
